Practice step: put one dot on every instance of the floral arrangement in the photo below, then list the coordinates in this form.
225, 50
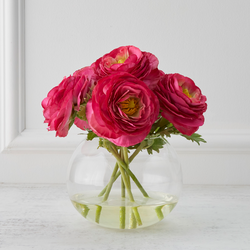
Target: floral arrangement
126, 101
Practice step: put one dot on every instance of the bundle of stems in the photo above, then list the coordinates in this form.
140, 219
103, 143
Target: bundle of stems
122, 169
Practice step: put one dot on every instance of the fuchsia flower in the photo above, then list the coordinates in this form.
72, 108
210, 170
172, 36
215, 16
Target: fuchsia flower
128, 89
181, 102
122, 109
65, 98
130, 59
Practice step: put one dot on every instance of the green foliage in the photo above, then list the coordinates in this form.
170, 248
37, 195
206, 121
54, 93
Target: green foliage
160, 125
167, 132
163, 123
91, 135
194, 138
134, 146
72, 118
81, 114
155, 145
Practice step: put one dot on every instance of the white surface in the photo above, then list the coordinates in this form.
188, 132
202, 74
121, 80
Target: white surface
206, 217
207, 41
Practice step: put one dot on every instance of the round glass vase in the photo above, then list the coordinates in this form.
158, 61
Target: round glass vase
124, 188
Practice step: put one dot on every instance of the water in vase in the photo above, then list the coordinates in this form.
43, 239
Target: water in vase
121, 213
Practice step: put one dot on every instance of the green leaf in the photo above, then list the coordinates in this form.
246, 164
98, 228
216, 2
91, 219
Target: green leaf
157, 144
72, 118
91, 135
100, 143
159, 125
150, 151
134, 146
81, 114
164, 123
194, 138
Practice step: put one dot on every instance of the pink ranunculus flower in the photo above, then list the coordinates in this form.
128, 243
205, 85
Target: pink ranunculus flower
89, 72
63, 99
132, 60
122, 109
181, 102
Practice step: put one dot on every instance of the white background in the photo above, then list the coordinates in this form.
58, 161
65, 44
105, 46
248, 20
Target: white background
207, 41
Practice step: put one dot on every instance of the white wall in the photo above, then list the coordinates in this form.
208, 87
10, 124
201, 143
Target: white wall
205, 40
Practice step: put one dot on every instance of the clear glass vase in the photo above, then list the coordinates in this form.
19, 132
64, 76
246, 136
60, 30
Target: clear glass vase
113, 196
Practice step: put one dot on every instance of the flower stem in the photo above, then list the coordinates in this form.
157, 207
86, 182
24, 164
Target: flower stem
122, 217
137, 216
124, 177
98, 213
132, 220
159, 212
124, 166
109, 186
155, 126
85, 212
83, 209
126, 160
131, 198
131, 158
122, 181
136, 152
104, 190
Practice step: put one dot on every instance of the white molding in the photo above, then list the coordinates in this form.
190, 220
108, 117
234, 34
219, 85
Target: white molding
37, 156
226, 141
21, 63
12, 107
42, 141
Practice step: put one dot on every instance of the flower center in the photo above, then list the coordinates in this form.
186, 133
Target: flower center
122, 60
119, 58
186, 92
130, 106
